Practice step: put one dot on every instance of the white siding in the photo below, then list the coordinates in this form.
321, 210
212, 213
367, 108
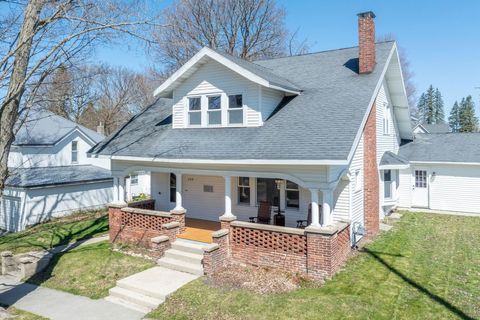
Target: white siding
143, 185
160, 191
213, 77
385, 142
200, 204
455, 188
342, 201
357, 212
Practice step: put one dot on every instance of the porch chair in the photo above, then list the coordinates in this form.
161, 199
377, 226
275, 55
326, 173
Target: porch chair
302, 224
264, 213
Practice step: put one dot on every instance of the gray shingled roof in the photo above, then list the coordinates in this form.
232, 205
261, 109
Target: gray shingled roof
391, 159
47, 176
437, 128
445, 147
319, 124
45, 128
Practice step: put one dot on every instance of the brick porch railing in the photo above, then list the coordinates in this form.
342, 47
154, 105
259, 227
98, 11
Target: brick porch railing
148, 204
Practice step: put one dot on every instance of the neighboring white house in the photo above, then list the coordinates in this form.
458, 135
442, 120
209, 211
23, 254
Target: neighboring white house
431, 128
298, 131
50, 174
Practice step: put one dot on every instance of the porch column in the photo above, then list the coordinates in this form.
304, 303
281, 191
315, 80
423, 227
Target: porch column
327, 207
315, 211
115, 189
228, 198
178, 192
121, 189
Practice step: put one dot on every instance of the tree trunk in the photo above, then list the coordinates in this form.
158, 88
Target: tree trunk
16, 88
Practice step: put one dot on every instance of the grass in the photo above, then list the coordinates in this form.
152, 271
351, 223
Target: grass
426, 267
17, 314
59, 231
89, 270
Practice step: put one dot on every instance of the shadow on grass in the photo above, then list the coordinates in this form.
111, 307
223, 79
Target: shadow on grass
417, 286
11, 293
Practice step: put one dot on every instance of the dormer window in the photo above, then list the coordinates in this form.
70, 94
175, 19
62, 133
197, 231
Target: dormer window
214, 110
235, 109
195, 111
74, 151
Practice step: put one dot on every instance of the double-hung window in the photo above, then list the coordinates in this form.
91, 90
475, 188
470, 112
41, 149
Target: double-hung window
214, 110
74, 151
194, 111
173, 187
235, 109
243, 190
292, 195
387, 183
133, 179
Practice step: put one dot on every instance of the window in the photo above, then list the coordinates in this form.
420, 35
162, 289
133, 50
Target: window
173, 187
420, 178
267, 191
214, 110
195, 111
207, 188
133, 179
358, 180
243, 190
292, 195
235, 109
74, 151
387, 184
386, 119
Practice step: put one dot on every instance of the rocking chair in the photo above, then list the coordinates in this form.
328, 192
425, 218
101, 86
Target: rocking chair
264, 213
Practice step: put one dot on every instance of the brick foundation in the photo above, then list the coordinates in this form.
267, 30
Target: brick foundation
371, 176
139, 226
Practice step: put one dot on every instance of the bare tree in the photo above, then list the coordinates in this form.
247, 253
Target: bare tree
43, 35
408, 74
249, 29
297, 46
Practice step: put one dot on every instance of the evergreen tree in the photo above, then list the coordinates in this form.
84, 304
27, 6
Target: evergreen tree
467, 118
438, 107
454, 118
430, 107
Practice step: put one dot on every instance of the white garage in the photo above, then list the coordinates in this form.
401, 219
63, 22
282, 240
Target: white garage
37, 194
444, 173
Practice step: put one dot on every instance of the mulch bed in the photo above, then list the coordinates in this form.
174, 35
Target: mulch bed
258, 279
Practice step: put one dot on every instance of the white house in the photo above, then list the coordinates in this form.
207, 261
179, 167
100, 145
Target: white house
298, 132
50, 174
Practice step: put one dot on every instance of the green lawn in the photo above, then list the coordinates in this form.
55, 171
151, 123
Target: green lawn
427, 267
17, 314
89, 270
59, 231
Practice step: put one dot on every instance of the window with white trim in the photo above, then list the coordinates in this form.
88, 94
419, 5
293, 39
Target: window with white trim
74, 151
194, 111
214, 110
133, 179
358, 180
387, 184
243, 188
235, 109
386, 118
292, 195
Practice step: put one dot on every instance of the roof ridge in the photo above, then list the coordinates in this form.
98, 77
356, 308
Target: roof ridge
316, 52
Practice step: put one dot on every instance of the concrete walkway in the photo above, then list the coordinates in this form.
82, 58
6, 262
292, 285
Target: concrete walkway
54, 304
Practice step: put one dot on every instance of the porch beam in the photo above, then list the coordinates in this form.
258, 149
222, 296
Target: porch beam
178, 192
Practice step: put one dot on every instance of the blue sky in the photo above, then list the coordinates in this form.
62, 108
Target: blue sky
441, 38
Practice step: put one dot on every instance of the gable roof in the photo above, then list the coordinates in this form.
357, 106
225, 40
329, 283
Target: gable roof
61, 175
443, 147
319, 125
391, 160
249, 70
45, 128
434, 128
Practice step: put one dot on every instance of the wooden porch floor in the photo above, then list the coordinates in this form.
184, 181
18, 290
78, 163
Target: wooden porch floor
199, 230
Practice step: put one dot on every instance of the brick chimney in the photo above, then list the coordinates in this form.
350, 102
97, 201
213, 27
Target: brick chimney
366, 42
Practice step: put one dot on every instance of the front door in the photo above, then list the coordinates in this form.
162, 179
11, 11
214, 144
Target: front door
420, 188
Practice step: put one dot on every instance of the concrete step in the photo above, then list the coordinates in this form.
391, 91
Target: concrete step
135, 297
179, 265
184, 256
187, 246
128, 304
